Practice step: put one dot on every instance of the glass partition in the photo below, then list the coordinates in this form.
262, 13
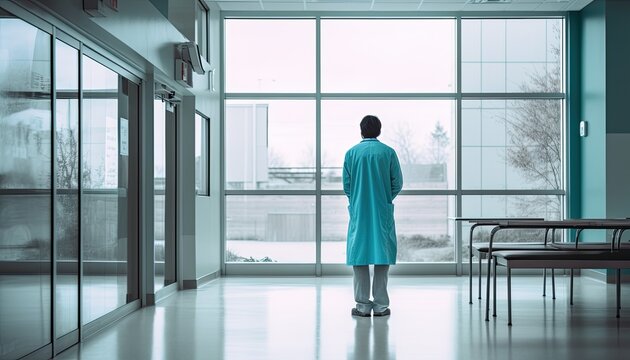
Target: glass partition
163, 193
25, 188
108, 261
67, 188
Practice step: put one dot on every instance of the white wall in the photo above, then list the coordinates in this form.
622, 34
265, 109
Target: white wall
207, 214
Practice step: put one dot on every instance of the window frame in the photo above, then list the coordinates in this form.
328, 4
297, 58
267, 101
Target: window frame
456, 267
203, 43
205, 135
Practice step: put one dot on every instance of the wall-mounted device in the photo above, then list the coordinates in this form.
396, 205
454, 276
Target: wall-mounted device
189, 52
163, 92
583, 128
183, 73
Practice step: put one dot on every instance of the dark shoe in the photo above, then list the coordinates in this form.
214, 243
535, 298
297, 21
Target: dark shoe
356, 312
386, 312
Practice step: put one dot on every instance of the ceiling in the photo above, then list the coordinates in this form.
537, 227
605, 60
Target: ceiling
402, 5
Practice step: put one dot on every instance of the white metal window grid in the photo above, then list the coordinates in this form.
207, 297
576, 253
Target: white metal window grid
317, 268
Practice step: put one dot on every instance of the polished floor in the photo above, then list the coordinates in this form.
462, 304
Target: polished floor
309, 318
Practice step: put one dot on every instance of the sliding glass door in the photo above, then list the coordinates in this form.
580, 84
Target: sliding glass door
68, 188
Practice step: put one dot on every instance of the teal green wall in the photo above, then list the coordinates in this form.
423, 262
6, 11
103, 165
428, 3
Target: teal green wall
617, 124
617, 61
604, 75
574, 108
592, 149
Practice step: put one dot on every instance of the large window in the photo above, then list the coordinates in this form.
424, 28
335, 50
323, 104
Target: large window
475, 114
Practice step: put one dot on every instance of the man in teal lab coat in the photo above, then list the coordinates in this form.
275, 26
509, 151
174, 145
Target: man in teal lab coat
371, 179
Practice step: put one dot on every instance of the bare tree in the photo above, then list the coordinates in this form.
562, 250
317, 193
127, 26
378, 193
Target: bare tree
402, 139
535, 132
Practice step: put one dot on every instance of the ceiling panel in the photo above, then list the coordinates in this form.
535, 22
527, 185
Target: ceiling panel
403, 5
395, 6
426, 6
239, 5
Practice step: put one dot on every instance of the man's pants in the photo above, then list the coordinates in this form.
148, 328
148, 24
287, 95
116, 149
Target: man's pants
379, 288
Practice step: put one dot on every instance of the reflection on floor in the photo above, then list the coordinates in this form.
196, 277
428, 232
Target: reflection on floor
309, 318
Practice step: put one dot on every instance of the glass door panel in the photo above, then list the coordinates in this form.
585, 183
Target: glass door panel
67, 189
164, 174
110, 262
25, 188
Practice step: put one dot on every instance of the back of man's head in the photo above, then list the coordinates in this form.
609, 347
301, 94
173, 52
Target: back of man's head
370, 127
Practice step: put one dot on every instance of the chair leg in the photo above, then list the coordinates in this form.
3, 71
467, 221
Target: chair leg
618, 291
494, 291
544, 282
488, 284
571, 289
470, 275
479, 278
553, 284
509, 286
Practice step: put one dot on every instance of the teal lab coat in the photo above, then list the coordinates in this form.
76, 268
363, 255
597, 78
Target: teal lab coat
371, 179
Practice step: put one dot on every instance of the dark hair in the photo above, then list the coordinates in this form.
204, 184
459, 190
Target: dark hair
370, 126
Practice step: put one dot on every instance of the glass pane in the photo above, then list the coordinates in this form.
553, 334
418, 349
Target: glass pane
421, 132
67, 198
512, 55
25, 164
423, 229
548, 207
359, 55
109, 115
270, 55
270, 144
159, 190
270, 229
201, 29
201, 155
25, 106
25, 278
512, 144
